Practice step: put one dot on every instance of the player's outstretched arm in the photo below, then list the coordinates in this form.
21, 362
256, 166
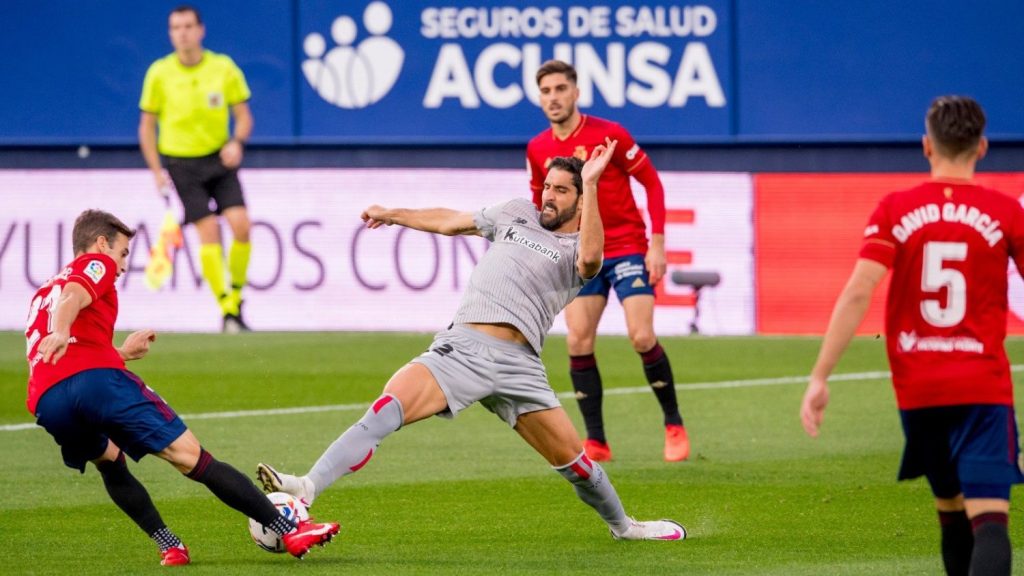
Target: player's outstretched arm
435, 220
847, 315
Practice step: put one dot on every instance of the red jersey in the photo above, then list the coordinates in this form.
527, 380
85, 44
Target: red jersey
945, 318
624, 229
92, 332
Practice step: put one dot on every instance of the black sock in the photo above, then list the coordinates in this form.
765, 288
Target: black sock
957, 542
586, 380
991, 545
130, 495
235, 490
659, 376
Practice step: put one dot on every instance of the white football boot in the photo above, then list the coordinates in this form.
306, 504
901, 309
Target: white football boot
274, 481
652, 530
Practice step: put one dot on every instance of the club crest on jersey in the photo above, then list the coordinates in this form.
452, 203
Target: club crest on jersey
95, 270
580, 152
215, 99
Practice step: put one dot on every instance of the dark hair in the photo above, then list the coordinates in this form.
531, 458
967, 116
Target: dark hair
92, 224
556, 67
181, 9
955, 124
572, 165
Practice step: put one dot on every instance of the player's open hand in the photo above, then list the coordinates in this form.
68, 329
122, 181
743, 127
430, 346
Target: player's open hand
53, 347
136, 345
812, 409
376, 216
598, 161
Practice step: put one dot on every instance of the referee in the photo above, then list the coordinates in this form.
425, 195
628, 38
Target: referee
188, 93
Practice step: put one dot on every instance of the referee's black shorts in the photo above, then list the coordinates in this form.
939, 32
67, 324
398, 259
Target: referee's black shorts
204, 185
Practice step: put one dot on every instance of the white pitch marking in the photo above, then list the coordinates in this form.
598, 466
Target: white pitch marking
754, 382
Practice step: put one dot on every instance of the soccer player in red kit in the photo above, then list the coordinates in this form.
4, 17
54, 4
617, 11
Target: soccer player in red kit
631, 266
948, 242
97, 411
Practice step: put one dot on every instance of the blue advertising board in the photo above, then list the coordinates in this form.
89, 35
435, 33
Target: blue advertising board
423, 72
429, 72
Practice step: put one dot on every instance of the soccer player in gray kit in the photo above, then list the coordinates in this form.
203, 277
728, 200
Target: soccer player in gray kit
491, 352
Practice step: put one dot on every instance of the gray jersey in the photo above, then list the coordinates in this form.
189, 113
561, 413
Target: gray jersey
526, 277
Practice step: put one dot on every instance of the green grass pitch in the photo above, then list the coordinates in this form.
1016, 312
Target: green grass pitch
468, 496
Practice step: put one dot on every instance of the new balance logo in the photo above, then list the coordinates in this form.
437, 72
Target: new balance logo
349, 76
444, 349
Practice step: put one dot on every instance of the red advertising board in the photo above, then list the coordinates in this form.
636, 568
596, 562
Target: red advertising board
808, 230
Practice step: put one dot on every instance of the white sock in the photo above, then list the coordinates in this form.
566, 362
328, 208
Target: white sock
353, 449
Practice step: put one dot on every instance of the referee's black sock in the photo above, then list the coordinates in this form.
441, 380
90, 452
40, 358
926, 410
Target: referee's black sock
659, 376
586, 381
238, 492
957, 542
132, 498
991, 545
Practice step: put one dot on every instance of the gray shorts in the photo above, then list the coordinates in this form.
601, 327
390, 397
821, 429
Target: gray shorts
506, 377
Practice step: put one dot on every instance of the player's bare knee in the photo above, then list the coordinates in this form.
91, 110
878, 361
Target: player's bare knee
643, 340
579, 345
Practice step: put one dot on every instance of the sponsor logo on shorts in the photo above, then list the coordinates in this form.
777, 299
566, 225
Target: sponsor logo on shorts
627, 269
95, 270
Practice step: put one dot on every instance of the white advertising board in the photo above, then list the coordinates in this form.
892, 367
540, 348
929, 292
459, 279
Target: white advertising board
316, 267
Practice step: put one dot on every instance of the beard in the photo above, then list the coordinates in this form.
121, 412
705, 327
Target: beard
554, 221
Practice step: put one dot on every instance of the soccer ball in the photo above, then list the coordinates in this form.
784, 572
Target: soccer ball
291, 508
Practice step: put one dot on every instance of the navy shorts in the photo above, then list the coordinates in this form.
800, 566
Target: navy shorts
83, 411
200, 180
627, 274
971, 449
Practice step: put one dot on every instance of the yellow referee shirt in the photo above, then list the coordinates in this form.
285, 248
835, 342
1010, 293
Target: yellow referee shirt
192, 103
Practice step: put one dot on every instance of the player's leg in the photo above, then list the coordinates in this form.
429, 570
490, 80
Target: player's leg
411, 395
989, 516
232, 488
639, 311
67, 411
552, 435
132, 498
190, 177
582, 316
957, 540
987, 465
927, 453
227, 193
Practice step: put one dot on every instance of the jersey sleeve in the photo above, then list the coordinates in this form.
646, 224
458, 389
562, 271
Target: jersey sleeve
628, 154
535, 172
96, 274
236, 90
486, 220
1015, 238
152, 99
879, 244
